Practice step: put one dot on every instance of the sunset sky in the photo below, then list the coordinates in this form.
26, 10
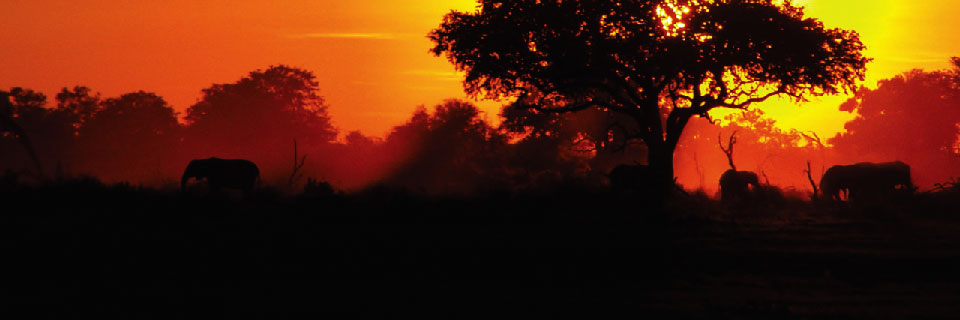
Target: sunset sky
370, 56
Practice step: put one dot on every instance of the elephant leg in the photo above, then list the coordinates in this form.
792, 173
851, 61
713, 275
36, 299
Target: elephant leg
214, 184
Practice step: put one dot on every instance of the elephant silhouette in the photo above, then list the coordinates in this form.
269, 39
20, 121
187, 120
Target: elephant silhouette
222, 173
865, 181
735, 185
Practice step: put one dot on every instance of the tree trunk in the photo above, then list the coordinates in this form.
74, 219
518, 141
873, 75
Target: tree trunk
660, 159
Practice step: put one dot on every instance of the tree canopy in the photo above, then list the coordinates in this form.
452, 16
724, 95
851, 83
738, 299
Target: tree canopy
659, 62
131, 136
912, 117
78, 103
13, 105
451, 150
264, 108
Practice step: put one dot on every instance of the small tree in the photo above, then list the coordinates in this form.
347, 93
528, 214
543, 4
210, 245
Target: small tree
660, 62
9, 125
295, 174
813, 184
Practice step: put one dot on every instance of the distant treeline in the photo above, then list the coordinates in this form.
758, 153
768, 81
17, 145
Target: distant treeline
138, 137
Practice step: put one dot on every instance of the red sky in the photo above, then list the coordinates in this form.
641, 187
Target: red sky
370, 56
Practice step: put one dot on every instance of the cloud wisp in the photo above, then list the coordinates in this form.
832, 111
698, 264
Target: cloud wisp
438, 75
352, 35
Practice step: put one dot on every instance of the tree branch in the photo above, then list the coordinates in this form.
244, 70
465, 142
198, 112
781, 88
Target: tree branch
570, 107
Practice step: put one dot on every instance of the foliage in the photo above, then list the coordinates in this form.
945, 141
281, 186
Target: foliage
448, 151
140, 115
26, 125
594, 136
130, 137
78, 103
658, 62
779, 156
263, 109
912, 117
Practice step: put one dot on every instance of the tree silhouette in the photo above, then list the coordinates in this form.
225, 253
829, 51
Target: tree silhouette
451, 150
592, 135
360, 160
761, 146
912, 117
659, 62
9, 124
78, 103
130, 137
260, 112
50, 132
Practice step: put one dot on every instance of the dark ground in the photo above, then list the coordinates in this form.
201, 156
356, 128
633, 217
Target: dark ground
83, 249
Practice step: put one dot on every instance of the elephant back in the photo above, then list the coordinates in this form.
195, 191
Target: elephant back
229, 173
866, 180
735, 185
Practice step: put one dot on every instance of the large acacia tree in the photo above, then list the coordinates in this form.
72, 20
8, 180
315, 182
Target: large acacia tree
660, 62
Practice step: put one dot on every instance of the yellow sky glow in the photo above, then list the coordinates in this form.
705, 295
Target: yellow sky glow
900, 36
370, 56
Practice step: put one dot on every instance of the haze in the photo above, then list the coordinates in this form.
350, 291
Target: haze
370, 56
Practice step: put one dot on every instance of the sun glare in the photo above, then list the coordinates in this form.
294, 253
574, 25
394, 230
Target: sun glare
672, 16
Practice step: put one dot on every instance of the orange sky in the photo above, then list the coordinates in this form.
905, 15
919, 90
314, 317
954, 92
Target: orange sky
370, 56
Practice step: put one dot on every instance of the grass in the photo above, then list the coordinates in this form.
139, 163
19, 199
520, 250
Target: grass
82, 248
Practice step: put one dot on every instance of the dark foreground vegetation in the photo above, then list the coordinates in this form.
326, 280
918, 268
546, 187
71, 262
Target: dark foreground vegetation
567, 208
81, 248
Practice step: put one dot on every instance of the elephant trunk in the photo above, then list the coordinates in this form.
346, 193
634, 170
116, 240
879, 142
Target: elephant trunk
183, 182
910, 186
187, 174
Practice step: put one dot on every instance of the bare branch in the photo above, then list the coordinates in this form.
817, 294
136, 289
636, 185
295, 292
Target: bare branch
766, 179
812, 183
813, 137
729, 149
570, 107
295, 175
748, 102
9, 125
